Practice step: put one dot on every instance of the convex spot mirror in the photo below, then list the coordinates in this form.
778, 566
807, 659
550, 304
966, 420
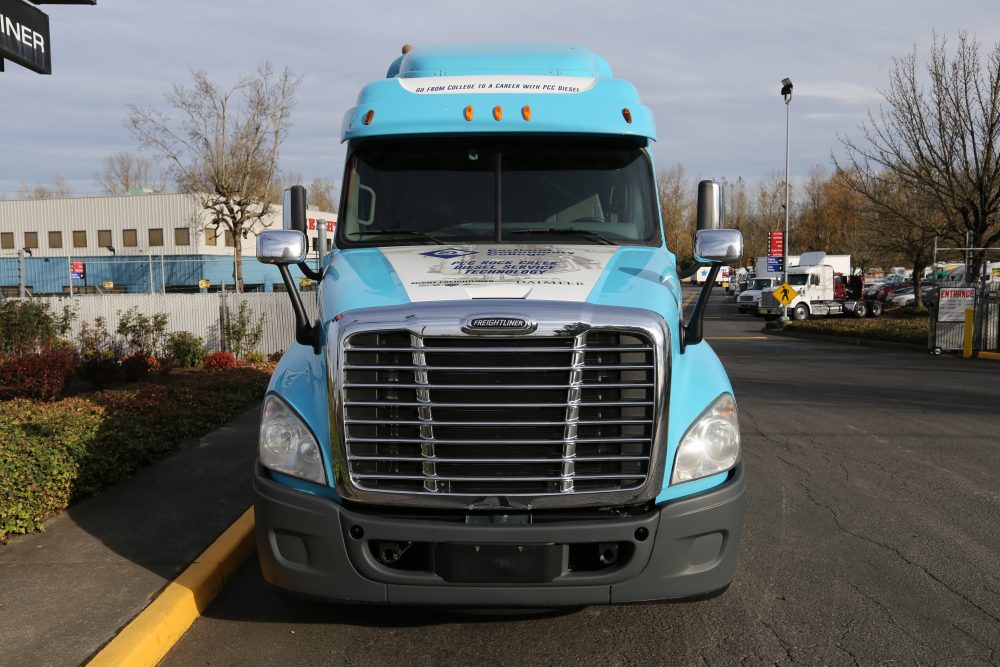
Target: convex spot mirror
718, 245
281, 246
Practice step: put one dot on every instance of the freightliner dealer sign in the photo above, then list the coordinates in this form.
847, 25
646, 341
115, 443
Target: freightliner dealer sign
24, 36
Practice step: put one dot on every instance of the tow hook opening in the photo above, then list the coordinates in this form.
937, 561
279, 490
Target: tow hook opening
607, 554
389, 553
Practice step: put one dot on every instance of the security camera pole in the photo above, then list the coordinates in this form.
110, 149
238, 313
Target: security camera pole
786, 92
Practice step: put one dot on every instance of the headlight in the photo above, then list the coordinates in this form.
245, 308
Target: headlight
287, 445
711, 445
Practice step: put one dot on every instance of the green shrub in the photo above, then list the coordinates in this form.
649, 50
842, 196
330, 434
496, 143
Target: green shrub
52, 453
27, 326
100, 354
185, 349
240, 333
255, 358
142, 333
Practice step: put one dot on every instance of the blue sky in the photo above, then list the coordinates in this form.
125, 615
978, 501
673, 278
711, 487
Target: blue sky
710, 70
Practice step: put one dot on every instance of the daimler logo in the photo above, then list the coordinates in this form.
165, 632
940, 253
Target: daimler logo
499, 325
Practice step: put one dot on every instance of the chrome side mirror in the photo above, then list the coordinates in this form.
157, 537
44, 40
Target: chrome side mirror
281, 246
718, 245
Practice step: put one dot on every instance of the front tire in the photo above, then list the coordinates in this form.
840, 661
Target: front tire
800, 312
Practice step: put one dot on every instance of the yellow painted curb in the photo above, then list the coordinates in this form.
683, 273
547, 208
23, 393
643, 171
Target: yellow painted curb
995, 356
153, 632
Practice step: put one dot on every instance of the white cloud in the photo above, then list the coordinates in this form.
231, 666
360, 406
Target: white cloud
710, 71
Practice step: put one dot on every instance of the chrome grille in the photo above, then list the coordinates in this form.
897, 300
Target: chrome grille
499, 416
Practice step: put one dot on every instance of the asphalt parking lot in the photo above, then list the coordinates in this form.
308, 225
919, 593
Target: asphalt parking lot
871, 537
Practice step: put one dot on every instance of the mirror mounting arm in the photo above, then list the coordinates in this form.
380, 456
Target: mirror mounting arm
310, 272
694, 331
691, 270
305, 333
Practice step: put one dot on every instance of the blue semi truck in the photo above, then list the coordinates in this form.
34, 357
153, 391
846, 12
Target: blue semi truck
501, 403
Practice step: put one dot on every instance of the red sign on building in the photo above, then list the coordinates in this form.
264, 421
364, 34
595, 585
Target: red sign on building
775, 244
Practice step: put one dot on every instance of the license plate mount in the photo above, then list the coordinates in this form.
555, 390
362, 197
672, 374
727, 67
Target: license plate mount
498, 563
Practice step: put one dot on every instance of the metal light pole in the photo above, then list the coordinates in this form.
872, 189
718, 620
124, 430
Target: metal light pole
786, 92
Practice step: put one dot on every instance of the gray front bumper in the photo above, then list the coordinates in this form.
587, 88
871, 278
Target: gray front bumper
305, 546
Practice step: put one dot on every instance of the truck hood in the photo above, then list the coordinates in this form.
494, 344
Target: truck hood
551, 273
584, 273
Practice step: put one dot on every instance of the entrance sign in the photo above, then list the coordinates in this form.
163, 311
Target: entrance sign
24, 36
78, 269
775, 264
953, 301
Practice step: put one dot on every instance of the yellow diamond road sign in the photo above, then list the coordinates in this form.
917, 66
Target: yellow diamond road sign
784, 293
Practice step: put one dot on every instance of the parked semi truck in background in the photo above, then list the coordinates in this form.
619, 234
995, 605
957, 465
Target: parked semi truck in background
722, 276
501, 402
748, 300
823, 285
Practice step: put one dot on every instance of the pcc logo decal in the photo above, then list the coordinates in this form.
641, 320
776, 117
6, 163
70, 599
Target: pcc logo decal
448, 253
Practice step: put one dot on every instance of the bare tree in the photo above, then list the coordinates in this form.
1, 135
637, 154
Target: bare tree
769, 208
830, 218
897, 222
124, 171
939, 144
223, 149
678, 211
57, 190
740, 214
281, 181
322, 195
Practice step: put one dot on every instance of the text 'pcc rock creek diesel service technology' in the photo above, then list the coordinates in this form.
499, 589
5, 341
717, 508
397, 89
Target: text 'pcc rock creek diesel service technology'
501, 403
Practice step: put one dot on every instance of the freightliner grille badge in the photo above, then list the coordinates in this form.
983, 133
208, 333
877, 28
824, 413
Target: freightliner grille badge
498, 325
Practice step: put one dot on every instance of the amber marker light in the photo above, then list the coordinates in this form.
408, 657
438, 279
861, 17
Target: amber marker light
526, 112
497, 112
627, 115
468, 112
369, 116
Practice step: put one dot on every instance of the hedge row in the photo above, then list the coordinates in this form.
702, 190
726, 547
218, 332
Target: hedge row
897, 330
52, 453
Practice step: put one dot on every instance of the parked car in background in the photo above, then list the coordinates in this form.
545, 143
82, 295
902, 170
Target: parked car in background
889, 289
905, 296
872, 288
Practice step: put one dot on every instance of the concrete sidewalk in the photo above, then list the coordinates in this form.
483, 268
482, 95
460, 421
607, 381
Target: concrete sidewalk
66, 592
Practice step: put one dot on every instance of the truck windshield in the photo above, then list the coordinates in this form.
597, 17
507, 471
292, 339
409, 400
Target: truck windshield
475, 190
798, 278
760, 283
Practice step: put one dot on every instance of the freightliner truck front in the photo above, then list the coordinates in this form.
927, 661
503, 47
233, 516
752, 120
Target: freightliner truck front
501, 403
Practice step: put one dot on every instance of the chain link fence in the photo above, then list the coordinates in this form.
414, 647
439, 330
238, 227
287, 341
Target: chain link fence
135, 274
200, 314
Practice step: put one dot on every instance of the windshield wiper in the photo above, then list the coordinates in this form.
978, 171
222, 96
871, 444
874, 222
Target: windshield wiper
564, 232
404, 232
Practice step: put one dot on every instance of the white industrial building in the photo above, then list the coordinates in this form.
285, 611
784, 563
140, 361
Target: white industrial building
145, 243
